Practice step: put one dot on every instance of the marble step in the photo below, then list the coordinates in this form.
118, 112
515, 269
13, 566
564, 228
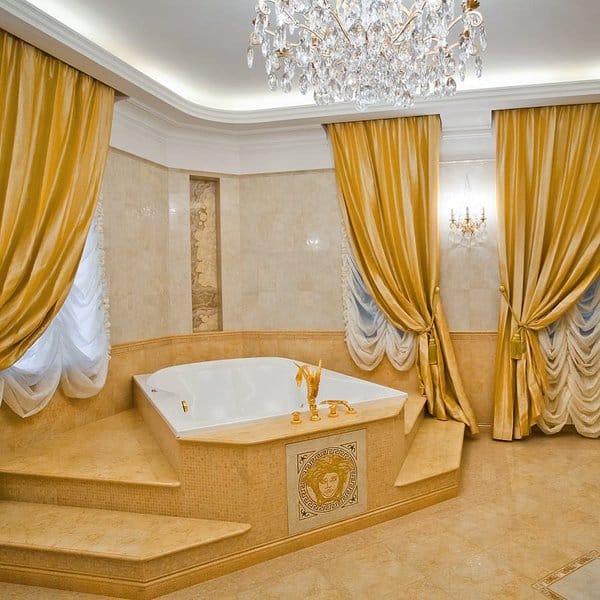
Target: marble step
112, 463
110, 552
413, 415
433, 460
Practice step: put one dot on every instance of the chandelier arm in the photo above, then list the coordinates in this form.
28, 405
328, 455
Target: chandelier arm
403, 29
337, 19
454, 22
307, 28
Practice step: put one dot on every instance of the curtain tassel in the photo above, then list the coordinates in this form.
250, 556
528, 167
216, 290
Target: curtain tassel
433, 351
517, 345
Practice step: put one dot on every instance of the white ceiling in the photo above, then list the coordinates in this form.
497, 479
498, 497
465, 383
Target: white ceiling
182, 62
196, 48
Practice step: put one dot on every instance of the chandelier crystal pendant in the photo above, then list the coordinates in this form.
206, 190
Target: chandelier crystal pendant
368, 51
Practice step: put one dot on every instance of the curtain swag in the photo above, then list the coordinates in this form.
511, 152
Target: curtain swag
55, 127
369, 334
571, 348
387, 172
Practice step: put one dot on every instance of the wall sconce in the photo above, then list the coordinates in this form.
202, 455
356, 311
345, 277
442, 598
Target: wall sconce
467, 231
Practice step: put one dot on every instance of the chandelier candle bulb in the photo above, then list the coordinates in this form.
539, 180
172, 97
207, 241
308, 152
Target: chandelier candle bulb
368, 52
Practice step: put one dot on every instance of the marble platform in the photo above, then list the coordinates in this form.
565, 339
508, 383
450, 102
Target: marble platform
105, 509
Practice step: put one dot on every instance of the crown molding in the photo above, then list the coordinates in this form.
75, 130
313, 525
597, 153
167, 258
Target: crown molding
38, 28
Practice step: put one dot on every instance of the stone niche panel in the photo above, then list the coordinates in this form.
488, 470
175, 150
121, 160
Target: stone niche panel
206, 292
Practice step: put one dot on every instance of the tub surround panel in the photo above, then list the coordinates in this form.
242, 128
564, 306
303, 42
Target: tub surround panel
218, 482
281, 428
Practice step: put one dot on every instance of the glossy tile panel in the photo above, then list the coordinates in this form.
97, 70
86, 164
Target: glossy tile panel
469, 279
136, 245
179, 267
290, 256
282, 256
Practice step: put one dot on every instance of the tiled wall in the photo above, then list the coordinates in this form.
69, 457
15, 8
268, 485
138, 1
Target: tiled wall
289, 257
281, 237
147, 248
280, 251
469, 276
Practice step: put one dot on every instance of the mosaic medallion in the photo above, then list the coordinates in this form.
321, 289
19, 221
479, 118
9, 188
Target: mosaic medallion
326, 480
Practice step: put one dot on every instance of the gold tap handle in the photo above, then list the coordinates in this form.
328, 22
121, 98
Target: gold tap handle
349, 408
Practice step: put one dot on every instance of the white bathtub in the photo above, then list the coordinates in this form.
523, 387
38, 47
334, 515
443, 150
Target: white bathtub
226, 392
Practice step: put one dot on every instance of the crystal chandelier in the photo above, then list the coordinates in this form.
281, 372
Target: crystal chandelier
367, 51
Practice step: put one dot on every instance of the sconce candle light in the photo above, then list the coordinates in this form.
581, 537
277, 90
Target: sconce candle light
468, 231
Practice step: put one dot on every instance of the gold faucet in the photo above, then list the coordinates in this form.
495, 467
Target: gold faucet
312, 379
185, 406
333, 406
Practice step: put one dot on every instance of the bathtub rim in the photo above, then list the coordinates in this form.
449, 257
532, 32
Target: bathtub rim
279, 427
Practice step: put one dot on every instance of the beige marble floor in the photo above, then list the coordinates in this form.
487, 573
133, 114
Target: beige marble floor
525, 509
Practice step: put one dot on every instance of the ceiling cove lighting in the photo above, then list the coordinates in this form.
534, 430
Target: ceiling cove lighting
369, 52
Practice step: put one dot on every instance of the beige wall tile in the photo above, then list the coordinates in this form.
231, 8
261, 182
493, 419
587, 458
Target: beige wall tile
179, 267
230, 238
289, 264
469, 277
147, 248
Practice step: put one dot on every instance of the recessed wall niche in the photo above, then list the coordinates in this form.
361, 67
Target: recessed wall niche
206, 288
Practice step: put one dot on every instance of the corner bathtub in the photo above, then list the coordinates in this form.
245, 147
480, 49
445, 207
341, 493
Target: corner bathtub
234, 391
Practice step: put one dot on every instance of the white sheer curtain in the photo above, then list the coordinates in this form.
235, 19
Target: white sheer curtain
572, 352
74, 350
369, 335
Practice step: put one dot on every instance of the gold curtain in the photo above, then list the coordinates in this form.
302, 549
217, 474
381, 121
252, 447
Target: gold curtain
387, 172
54, 132
548, 185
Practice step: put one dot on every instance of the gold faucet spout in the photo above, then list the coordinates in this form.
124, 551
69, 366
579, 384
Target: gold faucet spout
312, 379
333, 404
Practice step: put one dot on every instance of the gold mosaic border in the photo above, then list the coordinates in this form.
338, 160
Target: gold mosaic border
542, 586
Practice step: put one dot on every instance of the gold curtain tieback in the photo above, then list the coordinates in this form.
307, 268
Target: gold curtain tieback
433, 351
432, 343
518, 347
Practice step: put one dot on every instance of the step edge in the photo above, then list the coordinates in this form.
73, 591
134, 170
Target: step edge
453, 469
408, 427
124, 557
164, 484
